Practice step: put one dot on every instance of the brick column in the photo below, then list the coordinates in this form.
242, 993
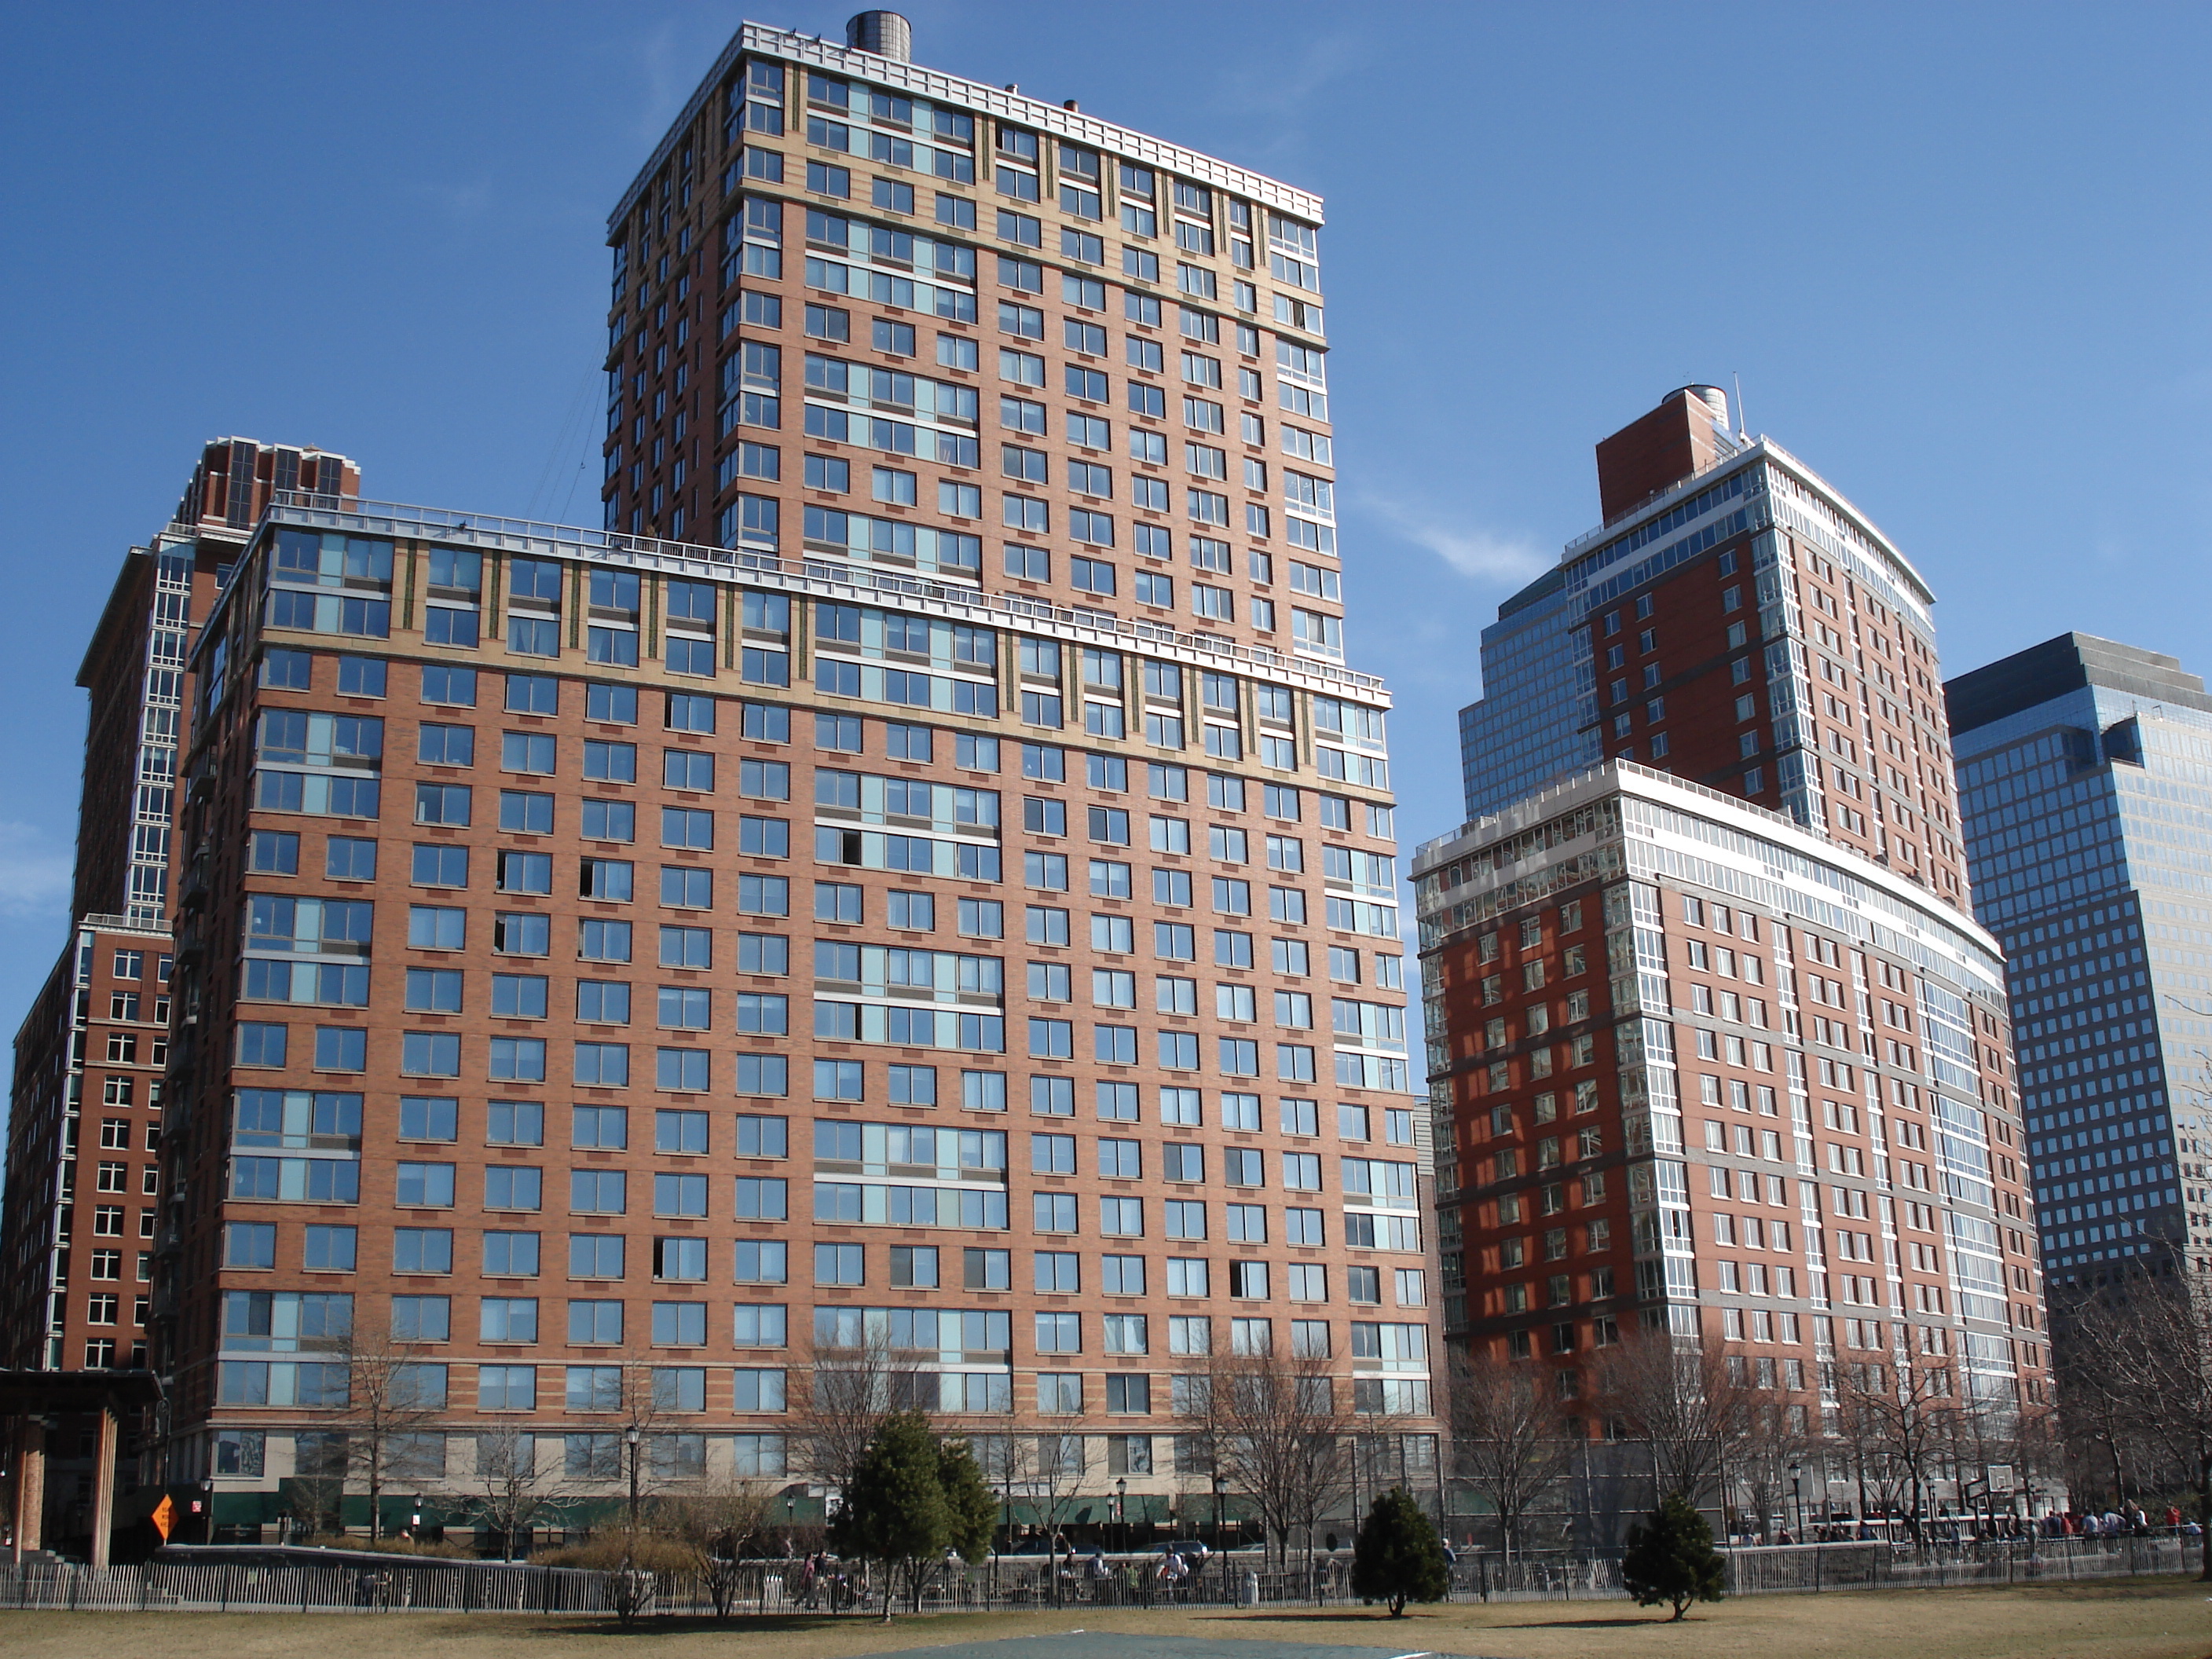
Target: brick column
30, 1483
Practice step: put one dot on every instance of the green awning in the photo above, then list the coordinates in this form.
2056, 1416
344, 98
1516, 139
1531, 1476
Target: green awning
1155, 1508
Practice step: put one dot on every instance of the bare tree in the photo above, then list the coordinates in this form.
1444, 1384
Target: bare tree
1056, 1469
1047, 1470
513, 1496
1281, 1435
2102, 1361
1776, 1441
1901, 1417
390, 1400
1510, 1441
2038, 1452
850, 1391
713, 1523
998, 1454
1683, 1401
2170, 1320
1981, 1436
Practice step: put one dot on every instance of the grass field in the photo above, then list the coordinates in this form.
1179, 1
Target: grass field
2140, 1618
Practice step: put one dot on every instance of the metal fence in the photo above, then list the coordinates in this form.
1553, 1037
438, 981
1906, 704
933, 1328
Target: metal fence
311, 1581
1805, 1569
308, 1581
1810, 1567
379, 1585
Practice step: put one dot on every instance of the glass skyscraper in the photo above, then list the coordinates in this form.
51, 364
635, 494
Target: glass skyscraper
1532, 725
2084, 783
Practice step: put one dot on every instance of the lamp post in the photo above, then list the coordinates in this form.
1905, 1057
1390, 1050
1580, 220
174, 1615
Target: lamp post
1121, 1512
1797, 1499
632, 1438
1219, 1486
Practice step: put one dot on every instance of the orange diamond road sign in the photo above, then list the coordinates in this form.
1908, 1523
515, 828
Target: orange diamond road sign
165, 1517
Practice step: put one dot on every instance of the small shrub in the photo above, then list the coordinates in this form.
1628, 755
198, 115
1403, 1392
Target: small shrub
1397, 1556
1670, 1557
608, 1551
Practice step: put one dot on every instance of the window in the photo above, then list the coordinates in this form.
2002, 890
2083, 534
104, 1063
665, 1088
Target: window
1248, 1280
422, 1249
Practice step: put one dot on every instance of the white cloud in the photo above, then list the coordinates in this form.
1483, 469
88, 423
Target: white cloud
34, 874
1468, 549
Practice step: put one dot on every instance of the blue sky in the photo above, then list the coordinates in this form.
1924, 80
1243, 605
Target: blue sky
1956, 253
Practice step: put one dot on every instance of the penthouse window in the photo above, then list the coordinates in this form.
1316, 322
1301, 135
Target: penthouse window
534, 597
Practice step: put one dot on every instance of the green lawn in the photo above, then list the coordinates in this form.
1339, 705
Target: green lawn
2136, 1618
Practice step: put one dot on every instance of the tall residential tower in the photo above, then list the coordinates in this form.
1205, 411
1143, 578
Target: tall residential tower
1719, 1050
919, 882
85, 1106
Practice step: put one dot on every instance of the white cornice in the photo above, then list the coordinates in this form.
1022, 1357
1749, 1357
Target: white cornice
759, 40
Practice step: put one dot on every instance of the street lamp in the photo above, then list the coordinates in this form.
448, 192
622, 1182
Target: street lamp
1121, 1512
1797, 1499
631, 1435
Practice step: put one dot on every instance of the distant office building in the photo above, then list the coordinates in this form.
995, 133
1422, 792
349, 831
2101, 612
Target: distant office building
1718, 1051
2085, 780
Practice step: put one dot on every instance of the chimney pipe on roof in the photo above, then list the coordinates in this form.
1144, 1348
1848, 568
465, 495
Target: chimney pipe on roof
885, 34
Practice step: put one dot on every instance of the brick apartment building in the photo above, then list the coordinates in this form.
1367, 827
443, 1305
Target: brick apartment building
920, 879
85, 1106
1721, 1051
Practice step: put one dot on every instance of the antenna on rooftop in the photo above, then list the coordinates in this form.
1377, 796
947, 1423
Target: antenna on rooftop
1743, 426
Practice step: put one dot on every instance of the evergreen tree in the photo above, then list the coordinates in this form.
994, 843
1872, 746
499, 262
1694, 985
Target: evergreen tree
971, 1509
894, 1510
1398, 1557
1670, 1557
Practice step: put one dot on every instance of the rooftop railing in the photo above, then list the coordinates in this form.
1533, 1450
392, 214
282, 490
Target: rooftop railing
529, 536
1534, 808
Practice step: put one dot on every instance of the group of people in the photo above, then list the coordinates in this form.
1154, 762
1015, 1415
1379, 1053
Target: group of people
818, 1575
2130, 1519
1178, 1568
